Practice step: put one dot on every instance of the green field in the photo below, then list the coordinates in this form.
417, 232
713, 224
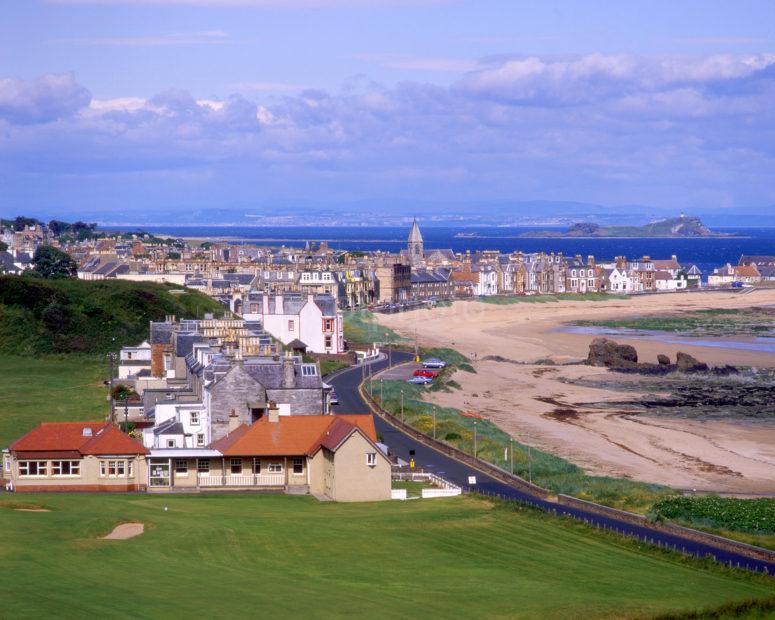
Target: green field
272, 555
361, 328
49, 389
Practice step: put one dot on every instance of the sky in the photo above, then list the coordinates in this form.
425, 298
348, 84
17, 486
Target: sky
129, 107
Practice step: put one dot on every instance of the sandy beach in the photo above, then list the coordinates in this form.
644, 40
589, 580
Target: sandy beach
532, 403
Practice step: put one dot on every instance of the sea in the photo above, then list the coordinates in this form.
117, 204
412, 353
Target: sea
706, 252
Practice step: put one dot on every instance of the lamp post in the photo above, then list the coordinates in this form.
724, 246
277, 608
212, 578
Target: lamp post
434, 421
402, 405
474, 438
511, 454
126, 415
381, 391
529, 461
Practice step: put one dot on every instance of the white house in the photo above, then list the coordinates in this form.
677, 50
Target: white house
312, 319
488, 281
664, 281
619, 281
178, 425
132, 360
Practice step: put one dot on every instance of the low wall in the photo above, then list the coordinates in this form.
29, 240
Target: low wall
751, 551
426, 493
459, 455
398, 494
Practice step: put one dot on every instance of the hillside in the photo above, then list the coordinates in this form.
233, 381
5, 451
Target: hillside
39, 317
683, 226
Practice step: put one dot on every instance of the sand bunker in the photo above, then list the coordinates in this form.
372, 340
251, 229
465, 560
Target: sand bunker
32, 510
125, 530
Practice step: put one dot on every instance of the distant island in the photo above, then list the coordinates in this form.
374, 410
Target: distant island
683, 226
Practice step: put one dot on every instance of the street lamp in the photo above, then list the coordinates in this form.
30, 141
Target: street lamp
402, 404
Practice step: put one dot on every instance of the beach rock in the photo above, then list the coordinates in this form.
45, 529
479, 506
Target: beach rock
609, 353
689, 363
663, 360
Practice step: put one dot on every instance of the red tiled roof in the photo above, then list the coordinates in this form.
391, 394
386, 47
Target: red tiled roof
294, 435
104, 438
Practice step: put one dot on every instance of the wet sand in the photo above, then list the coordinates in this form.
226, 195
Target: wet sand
530, 402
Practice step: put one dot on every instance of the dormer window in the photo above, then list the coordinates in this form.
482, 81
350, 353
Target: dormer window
309, 370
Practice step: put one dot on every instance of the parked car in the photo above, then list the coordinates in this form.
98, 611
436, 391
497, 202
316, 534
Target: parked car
434, 362
420, 380
424, 372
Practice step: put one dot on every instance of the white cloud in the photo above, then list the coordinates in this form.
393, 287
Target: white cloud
44, 99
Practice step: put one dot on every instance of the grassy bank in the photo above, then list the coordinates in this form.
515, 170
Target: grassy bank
228, 555
494, 446
716, 322
748, 520
361, 327
39, 317
49, 389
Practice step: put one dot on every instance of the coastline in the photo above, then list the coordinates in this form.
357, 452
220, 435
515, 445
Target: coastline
524, 398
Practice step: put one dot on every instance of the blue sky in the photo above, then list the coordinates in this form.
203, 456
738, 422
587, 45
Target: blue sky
128, 105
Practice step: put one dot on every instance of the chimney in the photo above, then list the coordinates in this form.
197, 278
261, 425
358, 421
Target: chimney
289, 376
274, 412
233, 421
591, 260
675, 257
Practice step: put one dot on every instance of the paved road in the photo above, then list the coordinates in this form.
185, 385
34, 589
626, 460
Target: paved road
346, 385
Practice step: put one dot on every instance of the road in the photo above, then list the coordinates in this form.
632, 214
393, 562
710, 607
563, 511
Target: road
350, 401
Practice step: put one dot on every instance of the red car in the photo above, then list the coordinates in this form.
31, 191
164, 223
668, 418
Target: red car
424, 372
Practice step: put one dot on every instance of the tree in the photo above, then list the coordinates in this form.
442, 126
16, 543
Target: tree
21, 222
58, 227
49, 262
173, 255
3, 246
122, 392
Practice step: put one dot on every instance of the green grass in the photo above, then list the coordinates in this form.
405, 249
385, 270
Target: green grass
49, 389
714, 322
542, 299
732, 516
329, 366
238, 555
361, 327
39, 317
413, 488
547, 470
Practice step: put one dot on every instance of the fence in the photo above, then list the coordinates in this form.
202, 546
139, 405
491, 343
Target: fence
751, 551
459, 455
541, 495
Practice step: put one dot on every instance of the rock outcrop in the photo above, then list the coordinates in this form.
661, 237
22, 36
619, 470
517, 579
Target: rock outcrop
611, 354
688, 363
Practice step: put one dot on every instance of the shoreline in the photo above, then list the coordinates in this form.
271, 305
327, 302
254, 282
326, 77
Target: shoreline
726, 456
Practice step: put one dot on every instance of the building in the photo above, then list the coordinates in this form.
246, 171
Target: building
75, 456
414, 245
394, 281
432, 284
312, 319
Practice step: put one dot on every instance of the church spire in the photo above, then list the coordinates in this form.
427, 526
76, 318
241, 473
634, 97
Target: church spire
414, 244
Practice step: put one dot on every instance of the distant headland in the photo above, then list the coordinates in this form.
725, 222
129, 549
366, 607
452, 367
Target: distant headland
683, 226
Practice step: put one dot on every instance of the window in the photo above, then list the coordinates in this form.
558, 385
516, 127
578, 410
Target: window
275, 468
328, 325
113, 469
371, 459
130, 471
103, 465
32, 468
65, 468
328, 342
256, 466
170, 443
194, 418
129, 355
203, 466
181, 466
200, 440
291, 325
236, 466
309, 370
298, 466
